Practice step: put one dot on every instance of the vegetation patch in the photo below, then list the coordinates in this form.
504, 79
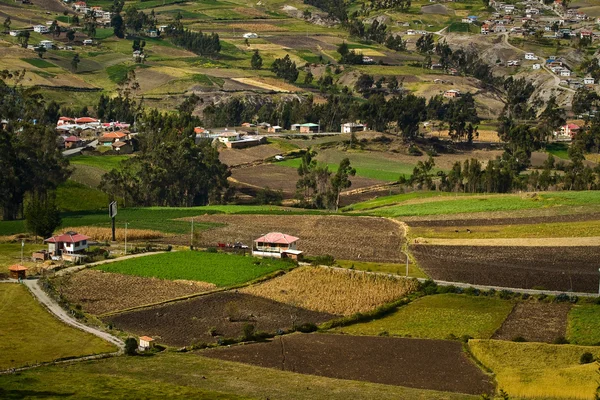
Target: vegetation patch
216, 268
30, 335
74, 196
584, 325
105, 163
397, 269
539, 370
38, 62
440, 316
333, 291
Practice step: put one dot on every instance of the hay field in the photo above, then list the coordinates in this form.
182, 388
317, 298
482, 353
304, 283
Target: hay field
257, 27
105, 234
261, 85
342, 292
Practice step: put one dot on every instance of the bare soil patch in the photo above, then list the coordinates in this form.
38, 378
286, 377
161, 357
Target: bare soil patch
551, 268
241, 156
425, 364
349, 238
101, 292
189, 321
506, 221
514, 242
535, 322
304, 43
437, 9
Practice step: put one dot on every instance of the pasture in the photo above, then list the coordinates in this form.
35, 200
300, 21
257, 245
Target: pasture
539, 370
387, 268
341, 292
584, 325
30, 335
105, 163
10, 254
217, 268
439, 317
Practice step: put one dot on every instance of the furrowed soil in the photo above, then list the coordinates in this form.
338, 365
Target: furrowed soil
550, 268
504, 221
189, 321
535, 322
101, 292
417, 363
348, 238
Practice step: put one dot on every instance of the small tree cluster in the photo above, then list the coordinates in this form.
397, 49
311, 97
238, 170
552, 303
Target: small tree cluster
285, 68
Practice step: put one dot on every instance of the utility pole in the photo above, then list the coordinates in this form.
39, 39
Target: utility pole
192, 236
125, 238
22, 246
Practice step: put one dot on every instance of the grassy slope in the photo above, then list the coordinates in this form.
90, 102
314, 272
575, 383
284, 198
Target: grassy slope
10, 253
539, 370
389, 268
29, 334
105, 163
180, 376
584, 324
218, 268
74, 196
439, 316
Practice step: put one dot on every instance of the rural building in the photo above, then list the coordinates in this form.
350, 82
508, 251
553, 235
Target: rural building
530, 56
295, 127
200, 131
569, 130
245, 142
250, 35
276, 245
146, 343
17, 271
485, 29
452, 93
111, 137
14, 33
274, 129
41, 29
565, 72
367, 60
588, 80
69, 243
122, 147
72, 142
47, 44
309, 128
536, 66
88, 42
350, 127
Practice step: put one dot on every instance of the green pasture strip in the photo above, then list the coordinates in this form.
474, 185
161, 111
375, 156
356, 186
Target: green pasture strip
105, 163
38, 62
545, 230
539, 370
74, 196
560, 150
30, 335
118, 73
220, 269
388, 268
10, 254
394, 199
179, 376
584, 325
440, 316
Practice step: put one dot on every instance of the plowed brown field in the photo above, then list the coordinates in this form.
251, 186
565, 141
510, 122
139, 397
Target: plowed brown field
535, 322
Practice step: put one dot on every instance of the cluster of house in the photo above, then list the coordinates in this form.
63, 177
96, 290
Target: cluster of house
102, 17
109, 134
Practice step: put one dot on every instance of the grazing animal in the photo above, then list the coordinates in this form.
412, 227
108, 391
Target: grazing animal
468, 230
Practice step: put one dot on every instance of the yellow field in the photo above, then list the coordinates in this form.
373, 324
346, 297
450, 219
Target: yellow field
539, 370
256, 27
259, 84
369, 52
342, 292
98, 233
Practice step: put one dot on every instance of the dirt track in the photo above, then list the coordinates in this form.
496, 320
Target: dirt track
426, 364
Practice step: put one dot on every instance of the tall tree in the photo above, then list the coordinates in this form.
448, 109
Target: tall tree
256, 61
75, 62
6, 24
341, 181
42, 216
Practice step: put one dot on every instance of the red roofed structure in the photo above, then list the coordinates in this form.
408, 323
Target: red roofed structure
69, 243
111, 137
17, 271
276, 245
86, 120
72, 141
65, 121
570, 130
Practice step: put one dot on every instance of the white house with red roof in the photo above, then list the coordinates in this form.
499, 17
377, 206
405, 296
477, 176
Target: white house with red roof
276, 245
72, 141
112, 137
569, 130
67, 244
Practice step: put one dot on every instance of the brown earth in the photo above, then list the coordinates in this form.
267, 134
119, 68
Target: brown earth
425, 364
240, 156
535, 322
101, 292
506, 221
349, 238
187, 322
551, 268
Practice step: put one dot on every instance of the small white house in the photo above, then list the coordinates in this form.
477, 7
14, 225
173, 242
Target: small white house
14, 33
350, 127
250, 35
146, 343
367, 60
69, 243
411, 32
536, 66
47, 44
588, 80
41, 29
565, 72
88, 42
530, 56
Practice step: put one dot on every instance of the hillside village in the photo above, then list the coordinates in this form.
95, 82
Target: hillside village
316, 199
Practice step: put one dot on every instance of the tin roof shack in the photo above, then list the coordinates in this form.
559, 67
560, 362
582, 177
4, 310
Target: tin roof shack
277, 245
309, 128
146, 343
17, 271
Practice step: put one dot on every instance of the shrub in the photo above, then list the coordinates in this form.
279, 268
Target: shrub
505, 294
212, 250
428, 287
326, 259
561, 340
519, 339
131, 346
562, 298
414, 151
586, 358
465, 338
248, 331
384, 333
307, 328
471, 291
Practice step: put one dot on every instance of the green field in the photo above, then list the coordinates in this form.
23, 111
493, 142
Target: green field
10, 254
29, 334
105, 163
74, 196
395, 199
388, 268
584, 325
560, 150
440, 317
539, 370
218, 268
189, 376
38, 62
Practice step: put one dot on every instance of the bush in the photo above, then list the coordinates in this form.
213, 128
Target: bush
560, 340
131, 346
519, 339
586, 358
471, 291
212, 250
428, 287
505, 294
414, 151
248, 331
307, 328
326, 259
562, 298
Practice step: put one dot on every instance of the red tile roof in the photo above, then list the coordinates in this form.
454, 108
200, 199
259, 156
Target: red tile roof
277, 237
17, 267
72, 139
113, 135
85, 120
119, 144
67, 237
146, 338
573, 126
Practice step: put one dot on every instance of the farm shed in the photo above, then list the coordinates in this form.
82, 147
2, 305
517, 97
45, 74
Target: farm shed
309, 128
277, 245
17, 271
146, 343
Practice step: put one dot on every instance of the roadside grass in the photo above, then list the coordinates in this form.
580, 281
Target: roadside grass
74, 196
441, 316
388, 268
539, 370
38, 62
560, 150
584, 325
10, 254
220, 269
176, 375
105, 163
29, 334
546, 230
490, 203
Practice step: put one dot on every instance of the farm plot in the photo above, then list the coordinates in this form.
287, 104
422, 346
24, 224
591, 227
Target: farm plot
550, 268
535, 322
216, 268
354, 238
539, 370
241, 156
584, 324
371, 359
101, 292
30, 335
208, 318
440, 317
334, 291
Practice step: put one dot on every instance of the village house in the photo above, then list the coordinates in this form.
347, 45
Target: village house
250, 35
68, 246
452, 93
350, 127
111, 137
536, 66
40, 29
277, 245
485, 29
146, 343
47, 44
367, 60
72, 142
588, 80
14, 33
565, 72
275, 129
530, 56
309, 128
122, 147
17, 271
569, 130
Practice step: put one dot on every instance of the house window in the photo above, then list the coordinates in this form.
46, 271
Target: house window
83, 242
